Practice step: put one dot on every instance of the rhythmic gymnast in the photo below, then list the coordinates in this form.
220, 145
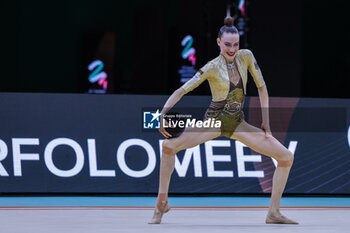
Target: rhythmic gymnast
227, 77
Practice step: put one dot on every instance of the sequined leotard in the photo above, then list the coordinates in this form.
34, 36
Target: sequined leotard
223, 91
228, 111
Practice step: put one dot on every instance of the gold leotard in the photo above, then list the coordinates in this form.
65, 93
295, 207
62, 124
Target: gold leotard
215, 71
227, 99
229, 111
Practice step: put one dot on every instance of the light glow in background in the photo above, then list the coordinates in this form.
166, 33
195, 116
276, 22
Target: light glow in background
98, 76
188, 53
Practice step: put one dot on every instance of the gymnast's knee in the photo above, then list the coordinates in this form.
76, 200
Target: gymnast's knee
168, 147
287, 160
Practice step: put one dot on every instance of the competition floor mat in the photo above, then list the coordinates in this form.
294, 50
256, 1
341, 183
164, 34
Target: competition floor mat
188, 214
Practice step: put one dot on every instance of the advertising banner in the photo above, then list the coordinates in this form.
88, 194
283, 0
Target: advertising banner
81, 143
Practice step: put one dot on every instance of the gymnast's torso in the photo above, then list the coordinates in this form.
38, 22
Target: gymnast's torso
227, 98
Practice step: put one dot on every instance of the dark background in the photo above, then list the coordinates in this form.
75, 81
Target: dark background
301, 46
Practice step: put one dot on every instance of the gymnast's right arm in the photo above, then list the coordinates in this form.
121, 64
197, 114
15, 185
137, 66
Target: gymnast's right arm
191, 84
172, 100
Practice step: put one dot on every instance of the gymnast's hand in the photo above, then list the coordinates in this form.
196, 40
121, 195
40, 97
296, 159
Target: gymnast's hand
266, 128
162, 130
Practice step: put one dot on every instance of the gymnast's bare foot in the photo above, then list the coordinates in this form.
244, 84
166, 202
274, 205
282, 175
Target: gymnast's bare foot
278, 218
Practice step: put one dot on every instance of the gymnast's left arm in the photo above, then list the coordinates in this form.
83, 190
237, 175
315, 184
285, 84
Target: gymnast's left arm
264, 102
255, 71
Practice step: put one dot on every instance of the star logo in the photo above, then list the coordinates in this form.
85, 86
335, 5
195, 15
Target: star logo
156, 115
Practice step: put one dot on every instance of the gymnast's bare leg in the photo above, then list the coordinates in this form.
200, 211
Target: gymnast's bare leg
263, 143
189, 138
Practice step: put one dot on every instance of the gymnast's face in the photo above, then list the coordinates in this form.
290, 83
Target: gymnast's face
229, 45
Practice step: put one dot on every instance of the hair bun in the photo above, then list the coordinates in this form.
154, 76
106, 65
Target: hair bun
228, 21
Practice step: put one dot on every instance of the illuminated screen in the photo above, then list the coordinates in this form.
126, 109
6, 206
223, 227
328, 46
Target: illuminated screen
97, 61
